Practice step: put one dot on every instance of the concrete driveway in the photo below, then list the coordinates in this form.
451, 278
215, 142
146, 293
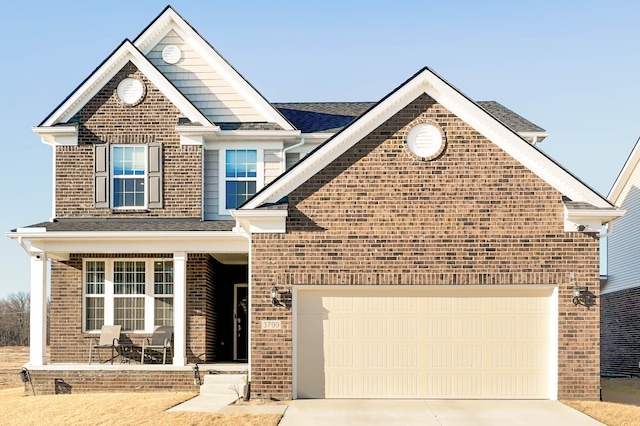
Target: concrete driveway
370, 412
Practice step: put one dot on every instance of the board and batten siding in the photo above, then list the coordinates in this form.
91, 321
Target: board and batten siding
202, 84
272, 168
623, 243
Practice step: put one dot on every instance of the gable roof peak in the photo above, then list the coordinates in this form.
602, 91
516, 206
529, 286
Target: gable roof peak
426, 81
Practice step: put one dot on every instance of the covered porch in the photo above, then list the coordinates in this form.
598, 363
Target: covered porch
209, 287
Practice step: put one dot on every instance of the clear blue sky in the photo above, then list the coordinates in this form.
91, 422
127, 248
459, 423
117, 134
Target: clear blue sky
569, 66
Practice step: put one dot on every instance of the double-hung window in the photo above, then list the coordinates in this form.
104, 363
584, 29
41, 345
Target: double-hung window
129, 176
241, 176
134, 293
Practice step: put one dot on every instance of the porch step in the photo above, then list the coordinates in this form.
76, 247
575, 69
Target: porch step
222, 384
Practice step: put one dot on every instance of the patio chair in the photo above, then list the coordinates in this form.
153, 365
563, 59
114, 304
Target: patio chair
109, 339
160, 341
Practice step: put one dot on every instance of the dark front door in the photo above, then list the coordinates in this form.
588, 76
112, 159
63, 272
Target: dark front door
241, 322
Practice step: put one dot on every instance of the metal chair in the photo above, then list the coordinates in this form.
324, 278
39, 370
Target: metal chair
109, 339
160, 341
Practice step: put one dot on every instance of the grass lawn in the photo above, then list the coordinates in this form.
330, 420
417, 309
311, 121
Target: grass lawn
621, 405
101, 408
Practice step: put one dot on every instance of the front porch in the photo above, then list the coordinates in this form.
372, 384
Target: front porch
93, 378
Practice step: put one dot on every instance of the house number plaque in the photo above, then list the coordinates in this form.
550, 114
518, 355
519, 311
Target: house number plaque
271, 325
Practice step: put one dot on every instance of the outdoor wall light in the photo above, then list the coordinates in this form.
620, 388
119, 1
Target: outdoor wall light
274, 296
577, 291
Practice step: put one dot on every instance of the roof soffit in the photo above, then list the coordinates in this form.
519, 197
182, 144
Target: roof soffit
125, 53
170, 20
426, 81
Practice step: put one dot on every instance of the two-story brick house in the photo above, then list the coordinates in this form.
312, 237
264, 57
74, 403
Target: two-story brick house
421, 246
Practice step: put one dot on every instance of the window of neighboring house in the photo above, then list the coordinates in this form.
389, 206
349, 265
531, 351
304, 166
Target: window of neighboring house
136, 294
129, 173
241, 176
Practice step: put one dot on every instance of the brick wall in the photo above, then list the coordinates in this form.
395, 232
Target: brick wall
379, 215
620, 342
48, 382
106, 119
70, 344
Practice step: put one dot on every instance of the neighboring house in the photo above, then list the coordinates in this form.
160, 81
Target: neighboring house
620, 341
421, 246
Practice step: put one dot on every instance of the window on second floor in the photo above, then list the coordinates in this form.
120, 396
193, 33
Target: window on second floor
241, 176
128, 176
129, 173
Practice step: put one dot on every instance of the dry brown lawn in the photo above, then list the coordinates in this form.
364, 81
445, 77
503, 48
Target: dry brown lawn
101, 409
621, 405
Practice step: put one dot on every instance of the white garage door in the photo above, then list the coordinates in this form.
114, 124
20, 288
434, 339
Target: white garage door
444, 343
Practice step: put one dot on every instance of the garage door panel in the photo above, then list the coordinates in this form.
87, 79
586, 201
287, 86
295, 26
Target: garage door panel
390, 344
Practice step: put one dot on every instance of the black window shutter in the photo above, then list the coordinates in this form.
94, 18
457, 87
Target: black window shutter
101, 175
155, 175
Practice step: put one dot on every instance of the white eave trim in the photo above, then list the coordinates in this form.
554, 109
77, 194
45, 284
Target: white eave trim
428, 82
58, 244
261, 221
57, 135
617, 194
589, 220
126, 52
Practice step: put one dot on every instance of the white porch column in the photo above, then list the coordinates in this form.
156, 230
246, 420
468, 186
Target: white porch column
38, 318
179, 308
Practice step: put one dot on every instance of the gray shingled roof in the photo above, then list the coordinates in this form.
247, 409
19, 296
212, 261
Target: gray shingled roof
333, 116
132, 225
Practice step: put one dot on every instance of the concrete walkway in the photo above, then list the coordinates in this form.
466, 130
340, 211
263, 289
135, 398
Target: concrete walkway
310, 412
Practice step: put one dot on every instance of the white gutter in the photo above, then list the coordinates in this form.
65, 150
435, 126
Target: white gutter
287, 149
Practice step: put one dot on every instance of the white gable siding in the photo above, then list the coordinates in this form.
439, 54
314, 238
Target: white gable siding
292, 158
623, 243
202, 85
211, 184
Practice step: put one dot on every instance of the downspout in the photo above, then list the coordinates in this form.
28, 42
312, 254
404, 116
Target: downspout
24, 246
287, 149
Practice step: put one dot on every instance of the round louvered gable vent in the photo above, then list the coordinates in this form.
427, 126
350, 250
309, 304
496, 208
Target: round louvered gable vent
425, 140
171, 54
130, 91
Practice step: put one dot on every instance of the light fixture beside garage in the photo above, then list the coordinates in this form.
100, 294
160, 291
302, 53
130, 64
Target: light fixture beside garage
274, 296
577, 291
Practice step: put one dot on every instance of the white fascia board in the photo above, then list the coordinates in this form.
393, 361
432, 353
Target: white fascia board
342, 141
170, 20
589, 220
134, 242
616, 193
195, 135
57, 135
126, 52
261, 221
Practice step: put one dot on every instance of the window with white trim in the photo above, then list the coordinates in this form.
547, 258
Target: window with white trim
241, 176
134, 293
129, 175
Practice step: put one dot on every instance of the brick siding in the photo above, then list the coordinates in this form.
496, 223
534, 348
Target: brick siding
105, 119
620, 342
379, 215
48, 382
